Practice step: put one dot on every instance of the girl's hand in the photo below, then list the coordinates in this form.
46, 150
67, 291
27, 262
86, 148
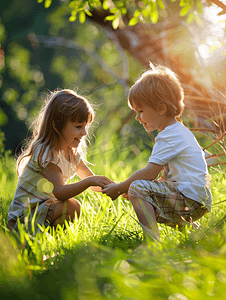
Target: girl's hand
98, 182
112, 190
95, 182
96, 188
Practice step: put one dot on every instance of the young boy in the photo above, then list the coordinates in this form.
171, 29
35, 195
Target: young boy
183, 194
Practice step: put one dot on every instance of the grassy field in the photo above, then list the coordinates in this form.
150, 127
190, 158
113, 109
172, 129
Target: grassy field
93, 257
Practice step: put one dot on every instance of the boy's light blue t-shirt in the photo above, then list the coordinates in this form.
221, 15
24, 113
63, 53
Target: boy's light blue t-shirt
177, 147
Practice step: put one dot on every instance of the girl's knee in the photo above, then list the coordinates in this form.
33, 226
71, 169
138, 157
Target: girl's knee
65, 210
73, 206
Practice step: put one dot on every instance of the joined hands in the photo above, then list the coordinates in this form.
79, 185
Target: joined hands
112, 190
98, 182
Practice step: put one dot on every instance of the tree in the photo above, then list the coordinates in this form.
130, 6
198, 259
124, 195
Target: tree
166, 32
101, 47
43, 51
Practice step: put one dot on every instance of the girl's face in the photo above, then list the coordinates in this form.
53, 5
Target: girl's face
72, 134
150, 118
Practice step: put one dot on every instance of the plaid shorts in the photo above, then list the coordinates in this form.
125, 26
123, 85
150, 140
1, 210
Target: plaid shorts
171, 206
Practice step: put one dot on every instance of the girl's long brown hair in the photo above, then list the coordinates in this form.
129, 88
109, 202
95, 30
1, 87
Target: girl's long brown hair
58, 108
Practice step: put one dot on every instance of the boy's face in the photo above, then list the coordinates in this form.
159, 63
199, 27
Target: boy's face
150, 118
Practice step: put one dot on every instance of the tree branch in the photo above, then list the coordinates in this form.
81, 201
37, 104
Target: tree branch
219, 4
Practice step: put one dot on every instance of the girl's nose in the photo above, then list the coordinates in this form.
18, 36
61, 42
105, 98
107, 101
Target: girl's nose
137, 117
84, 131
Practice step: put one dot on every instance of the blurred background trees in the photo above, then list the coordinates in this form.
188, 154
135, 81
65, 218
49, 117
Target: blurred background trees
95, 50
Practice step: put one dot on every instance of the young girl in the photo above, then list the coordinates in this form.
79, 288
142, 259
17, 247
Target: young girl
182, 195
52, 157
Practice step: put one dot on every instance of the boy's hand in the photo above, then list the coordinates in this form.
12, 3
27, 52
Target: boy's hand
125, 195
112, 190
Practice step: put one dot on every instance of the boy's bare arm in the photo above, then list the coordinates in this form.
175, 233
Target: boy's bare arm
150, 172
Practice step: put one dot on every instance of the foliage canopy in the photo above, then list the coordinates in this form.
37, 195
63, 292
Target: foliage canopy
142, 10
102, 57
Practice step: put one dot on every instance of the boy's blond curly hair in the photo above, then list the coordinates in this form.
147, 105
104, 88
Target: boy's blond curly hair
155, 86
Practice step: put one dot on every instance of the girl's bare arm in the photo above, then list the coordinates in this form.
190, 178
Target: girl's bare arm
64, 191
84, 171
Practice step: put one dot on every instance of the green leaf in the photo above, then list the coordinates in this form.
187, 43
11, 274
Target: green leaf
90, 5
123, 10
190, 18
199, 6
185, 10
82, 17
183, 3
110, 17
74, 12
114, 10
120, 4
40, 1
145, 12
72, 3
160, 4
115, 23
48, 3
153, 5
136, 13
72, 18
105, 5
154, 16
198, 20
88, 12
133, 21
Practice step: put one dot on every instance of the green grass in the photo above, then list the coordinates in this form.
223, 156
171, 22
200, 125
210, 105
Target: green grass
93, 257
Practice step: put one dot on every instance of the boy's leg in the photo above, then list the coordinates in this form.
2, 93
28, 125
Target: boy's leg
11, 223
146, 215
171, 206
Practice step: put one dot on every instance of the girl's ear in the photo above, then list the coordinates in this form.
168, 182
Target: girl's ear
54, 127
162, 108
